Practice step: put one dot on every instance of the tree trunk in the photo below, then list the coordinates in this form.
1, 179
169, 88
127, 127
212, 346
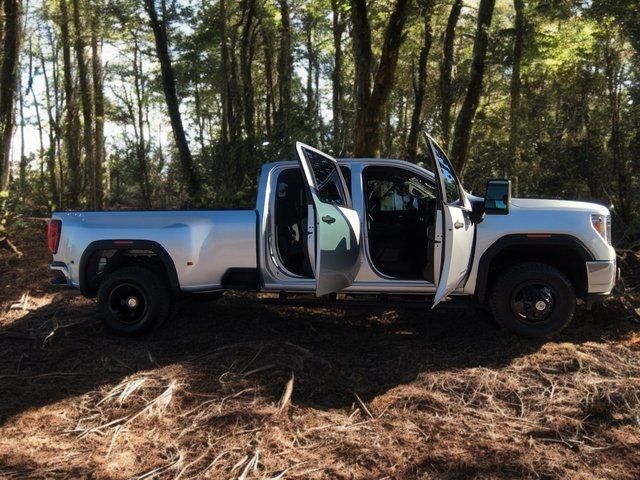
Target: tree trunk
246, 61
612, 72
36, 105
513, 153
57, 132
464, 122
371, 103
71, 123
285, 74
268, 71
139, 124
337, 97
224, 54
98, 99
446, 67
361, 33
171, 97
22, 179
420, 84
11, 41
86, 95
54, 129
2, 29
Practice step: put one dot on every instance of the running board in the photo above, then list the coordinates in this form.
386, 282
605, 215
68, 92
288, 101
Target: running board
382, 301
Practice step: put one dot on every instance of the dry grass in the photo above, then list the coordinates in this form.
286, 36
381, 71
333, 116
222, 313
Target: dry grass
237, 390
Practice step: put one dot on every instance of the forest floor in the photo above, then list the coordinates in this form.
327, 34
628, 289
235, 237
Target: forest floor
387, 394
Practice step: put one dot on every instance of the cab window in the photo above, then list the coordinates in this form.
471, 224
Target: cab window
451, 186
327, 179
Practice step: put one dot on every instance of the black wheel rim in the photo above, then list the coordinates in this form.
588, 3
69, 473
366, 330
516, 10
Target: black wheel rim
533, 302
128, 303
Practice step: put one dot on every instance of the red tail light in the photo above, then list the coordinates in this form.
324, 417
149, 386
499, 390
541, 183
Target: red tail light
54, 230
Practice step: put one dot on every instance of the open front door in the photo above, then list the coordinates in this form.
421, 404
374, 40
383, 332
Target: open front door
337, 227
457, 228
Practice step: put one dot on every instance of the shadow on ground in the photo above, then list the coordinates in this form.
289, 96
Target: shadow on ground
61, 349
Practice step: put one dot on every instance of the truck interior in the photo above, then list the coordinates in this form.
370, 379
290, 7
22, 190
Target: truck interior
290, 215
400, 217
401, 209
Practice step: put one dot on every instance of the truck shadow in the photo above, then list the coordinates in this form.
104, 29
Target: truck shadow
61, 350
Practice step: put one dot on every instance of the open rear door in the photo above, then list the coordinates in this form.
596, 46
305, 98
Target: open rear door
457, 228
337, 227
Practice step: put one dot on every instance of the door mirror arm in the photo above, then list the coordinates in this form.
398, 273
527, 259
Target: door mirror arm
477, 211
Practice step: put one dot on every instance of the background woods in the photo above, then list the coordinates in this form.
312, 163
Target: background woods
165, 103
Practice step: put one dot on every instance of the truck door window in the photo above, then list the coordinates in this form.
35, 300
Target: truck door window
327, 180
451, 184
346, 174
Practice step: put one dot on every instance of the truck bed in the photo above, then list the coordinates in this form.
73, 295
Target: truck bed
203, 244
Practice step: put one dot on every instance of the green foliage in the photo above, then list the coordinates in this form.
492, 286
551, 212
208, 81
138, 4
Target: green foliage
579, 119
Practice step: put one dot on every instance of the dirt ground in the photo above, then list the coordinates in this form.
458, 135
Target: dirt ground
388, 394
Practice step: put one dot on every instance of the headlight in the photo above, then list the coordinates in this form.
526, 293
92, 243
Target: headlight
602, 225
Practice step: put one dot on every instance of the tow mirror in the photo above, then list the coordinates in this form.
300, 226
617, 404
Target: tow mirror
497, 197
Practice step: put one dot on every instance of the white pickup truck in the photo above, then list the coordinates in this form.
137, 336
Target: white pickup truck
346, 230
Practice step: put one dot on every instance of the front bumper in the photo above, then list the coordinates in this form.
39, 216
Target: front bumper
601, 277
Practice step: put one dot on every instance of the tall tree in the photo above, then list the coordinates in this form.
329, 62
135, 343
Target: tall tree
270, 102
371, 101
71, 122
446, 69
420, 83
171, 97
36, 106
54, 128
464, 122
285, 73
337, 94
11, 39
247, 52
514, 152
86, 96
99, 111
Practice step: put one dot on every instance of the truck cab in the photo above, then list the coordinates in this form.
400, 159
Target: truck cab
352, 227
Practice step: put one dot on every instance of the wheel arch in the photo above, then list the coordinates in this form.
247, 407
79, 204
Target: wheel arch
565, 252
91, 255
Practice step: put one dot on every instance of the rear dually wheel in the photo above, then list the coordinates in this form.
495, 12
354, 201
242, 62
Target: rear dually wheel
132, 300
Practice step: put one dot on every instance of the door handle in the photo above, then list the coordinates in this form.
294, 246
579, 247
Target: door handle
328, 219
458, 224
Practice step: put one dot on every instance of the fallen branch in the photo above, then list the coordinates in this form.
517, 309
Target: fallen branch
363, 406
8, 245
286, 395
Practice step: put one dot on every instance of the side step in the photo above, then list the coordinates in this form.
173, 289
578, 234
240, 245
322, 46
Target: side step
363, 301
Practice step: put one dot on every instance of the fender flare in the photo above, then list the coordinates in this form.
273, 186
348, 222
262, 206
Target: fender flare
119, 244
523, 239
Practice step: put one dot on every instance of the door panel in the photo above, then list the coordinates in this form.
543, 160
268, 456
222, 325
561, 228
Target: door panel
458, 245
458, 233
337, 226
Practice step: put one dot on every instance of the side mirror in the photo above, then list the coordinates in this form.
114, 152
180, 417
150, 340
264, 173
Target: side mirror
497, 197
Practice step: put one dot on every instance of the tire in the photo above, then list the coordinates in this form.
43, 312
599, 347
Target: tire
133, 300
533, 300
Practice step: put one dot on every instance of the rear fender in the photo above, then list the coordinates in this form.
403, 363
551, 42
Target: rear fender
123, 245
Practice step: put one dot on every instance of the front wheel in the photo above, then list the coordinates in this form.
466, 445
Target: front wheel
132, 300
533, 300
